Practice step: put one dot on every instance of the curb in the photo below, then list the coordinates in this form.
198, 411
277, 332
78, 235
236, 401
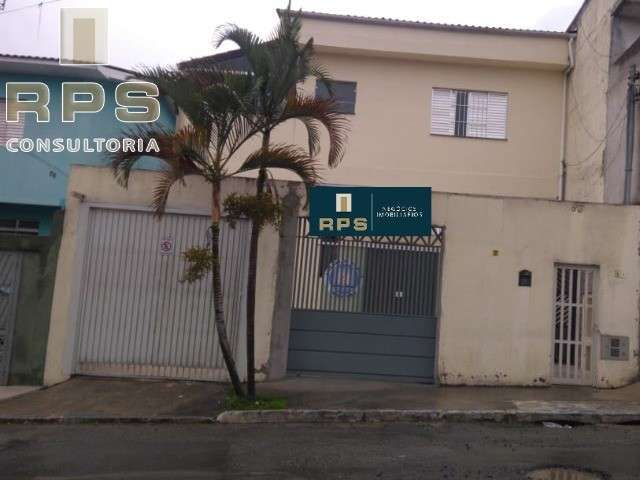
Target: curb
345, 416
390, 416
78, 420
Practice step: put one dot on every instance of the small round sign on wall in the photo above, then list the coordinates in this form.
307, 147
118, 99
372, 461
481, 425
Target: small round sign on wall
342, 278
166, 246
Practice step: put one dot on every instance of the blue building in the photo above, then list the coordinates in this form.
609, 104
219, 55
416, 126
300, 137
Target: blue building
33, 184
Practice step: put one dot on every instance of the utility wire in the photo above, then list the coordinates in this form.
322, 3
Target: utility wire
25, 7
617, 123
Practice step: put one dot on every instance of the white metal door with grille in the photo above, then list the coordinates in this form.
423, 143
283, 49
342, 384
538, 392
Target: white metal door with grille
134, 315
574, 325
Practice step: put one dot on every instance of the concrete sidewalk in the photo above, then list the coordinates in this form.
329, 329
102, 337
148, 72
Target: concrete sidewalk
318, 399
110, 398
339, 393
12, 391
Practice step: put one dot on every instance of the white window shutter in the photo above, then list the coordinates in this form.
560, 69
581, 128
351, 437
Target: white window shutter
443, 111
9, 129
477, 114
497, 115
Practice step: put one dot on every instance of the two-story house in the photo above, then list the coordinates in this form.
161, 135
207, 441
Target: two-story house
35, 161
460, 108
511, 288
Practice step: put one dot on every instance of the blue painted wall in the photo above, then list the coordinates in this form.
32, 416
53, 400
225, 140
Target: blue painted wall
40, 178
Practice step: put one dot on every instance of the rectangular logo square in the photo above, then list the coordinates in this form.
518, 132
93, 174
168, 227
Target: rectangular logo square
343, 202
83, 36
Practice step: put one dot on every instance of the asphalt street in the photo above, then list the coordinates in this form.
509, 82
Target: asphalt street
287, 452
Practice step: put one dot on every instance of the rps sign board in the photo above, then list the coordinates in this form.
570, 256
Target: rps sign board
353, 211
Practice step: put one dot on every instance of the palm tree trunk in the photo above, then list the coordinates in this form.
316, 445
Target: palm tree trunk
251, 283
218, 303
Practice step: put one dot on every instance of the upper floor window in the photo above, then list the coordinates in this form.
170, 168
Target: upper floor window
9, 129
344, 94
19, 226
466, 113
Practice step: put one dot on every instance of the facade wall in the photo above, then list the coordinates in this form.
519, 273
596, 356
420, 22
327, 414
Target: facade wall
493, 332
98, 186
589, 131
390, 143
396, 68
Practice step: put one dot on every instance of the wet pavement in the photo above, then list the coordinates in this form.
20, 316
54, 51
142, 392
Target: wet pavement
339, 393
95, 397
11, 391
315, 452
110, 397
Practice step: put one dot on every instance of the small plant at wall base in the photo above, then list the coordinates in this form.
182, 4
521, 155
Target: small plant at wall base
276, 68
214, 102
233, 402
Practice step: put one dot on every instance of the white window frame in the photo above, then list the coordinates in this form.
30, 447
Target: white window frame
484, 113
18, 226
9, 129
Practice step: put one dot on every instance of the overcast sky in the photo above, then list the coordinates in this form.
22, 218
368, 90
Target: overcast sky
153, 32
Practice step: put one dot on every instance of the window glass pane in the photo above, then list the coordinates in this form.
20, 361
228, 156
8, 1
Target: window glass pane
344, 94
496, 115
9, 129
443, 111
28, 224
477, 119
462, 104
7, 223
16, 226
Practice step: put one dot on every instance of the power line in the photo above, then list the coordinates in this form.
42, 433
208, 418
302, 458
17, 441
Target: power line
614, 125
25, 7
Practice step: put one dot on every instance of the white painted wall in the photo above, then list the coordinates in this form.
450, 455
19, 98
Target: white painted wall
98, 186
493, 332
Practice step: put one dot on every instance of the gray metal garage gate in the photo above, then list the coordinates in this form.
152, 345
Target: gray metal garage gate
366, 306
135, 317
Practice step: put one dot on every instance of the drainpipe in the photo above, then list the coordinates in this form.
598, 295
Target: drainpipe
562, 187
631, 126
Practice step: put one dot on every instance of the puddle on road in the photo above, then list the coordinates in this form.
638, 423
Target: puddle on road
562, 474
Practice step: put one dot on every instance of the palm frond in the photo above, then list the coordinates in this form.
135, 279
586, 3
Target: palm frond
243, 129
243, 38
185, 151
313, 135
286, 157
323, 112
166, 179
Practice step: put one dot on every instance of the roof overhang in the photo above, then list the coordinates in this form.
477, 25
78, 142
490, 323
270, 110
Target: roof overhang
436, 42
45, 66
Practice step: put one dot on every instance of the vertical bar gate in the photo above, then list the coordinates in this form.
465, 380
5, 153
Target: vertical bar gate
574, 324
136, 317
366, 306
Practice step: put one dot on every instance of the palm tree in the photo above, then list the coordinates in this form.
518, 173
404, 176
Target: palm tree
214, 103
277, 67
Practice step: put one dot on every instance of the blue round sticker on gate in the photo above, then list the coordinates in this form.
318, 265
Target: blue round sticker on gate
342, 278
